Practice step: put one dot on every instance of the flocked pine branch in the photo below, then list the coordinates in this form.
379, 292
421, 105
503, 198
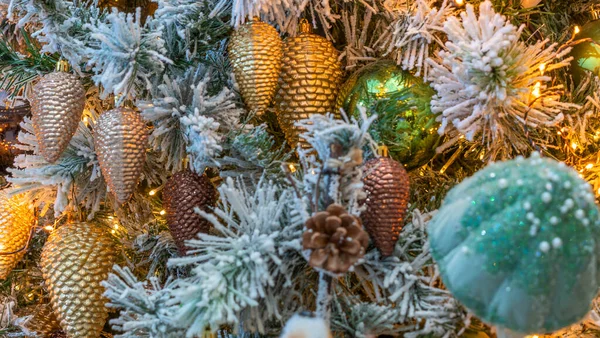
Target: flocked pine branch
124, 56
284, 13
188, 30
414, 32
491, 86
48, 183
339, 145
254, 153
407, 282
258, 244
188, 120
143, 306
62, 26
360, 33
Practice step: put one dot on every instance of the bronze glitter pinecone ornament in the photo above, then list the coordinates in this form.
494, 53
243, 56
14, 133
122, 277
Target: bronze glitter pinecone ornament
16, 221
43, 322
309, 81
120, 140
183, 192
255, 51
387, 187
57, 105
336, 239
75, 259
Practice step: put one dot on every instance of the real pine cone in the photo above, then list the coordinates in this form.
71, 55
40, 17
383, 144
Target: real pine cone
16, 221
255, 51
43, 322
75, 259
183, 192
309, 81
120, 140
336, 239
57, 105
387, 186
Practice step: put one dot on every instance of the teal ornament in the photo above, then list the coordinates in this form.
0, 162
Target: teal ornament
517, 244
401, 101
586, 55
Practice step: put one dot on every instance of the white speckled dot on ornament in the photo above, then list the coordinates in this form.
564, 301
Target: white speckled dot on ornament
520, 256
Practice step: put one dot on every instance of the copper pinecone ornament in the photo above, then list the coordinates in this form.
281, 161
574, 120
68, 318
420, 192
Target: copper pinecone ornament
57, 105
183, 192
16, 221
387, 186
255, 51
75, 259
309, 81
120, 140
336, 239
42, 322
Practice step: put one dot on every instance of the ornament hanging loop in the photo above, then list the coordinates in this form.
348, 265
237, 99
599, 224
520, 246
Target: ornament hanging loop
304, 26
63, 66
383, 151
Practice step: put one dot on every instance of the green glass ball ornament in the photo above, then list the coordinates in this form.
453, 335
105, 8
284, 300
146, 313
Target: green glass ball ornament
586, 55
518, 244
401, 101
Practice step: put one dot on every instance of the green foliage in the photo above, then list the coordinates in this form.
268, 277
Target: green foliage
18, 70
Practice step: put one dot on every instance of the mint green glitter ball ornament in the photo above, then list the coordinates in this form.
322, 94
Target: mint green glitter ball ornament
517, 244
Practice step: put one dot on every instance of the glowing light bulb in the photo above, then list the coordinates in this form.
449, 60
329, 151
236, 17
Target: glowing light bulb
116, 226
162, 212
48, 228
459, 3
574, 145
86, 120
292, 168
542, 68
537, 90
589, 166
152, 192
577, 30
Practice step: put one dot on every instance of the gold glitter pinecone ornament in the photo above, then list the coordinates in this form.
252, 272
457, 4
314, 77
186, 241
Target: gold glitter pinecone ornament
75, 259
120, 140
309, 81
255, 51
57, 105
336, 239
183, 192
387, 186
42, 322
16, 221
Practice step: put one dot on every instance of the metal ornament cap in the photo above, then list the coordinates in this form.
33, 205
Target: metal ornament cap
386, 183
76, 258
255, 52
16, 220
308, 84
57, 105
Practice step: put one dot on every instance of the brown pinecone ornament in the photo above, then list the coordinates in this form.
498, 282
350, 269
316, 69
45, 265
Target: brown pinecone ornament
57, 105
336, 239
309, 81
120, 140
183, 192
42, 322
75, 259
387, 186
255, 51
16, 221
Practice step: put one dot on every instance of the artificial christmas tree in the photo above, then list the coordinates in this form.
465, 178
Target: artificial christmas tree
228, 89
